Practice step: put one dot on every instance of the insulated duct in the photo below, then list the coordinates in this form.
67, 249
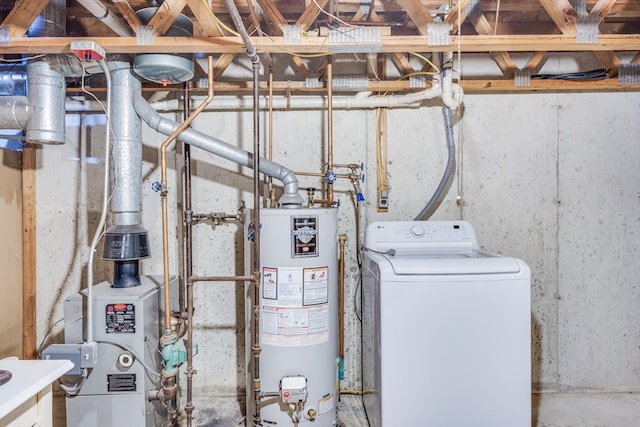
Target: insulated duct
290, 198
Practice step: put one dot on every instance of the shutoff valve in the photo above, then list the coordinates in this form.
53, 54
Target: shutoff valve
293, 389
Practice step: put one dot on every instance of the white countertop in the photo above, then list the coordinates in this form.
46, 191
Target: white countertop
29, 377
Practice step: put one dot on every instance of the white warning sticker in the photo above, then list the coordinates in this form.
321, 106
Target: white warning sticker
325, 404
295, 306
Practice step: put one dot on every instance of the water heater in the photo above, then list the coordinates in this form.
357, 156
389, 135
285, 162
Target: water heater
298, 318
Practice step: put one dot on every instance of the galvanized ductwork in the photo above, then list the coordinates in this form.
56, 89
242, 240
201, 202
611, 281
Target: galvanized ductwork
126, 241
290, 199
42, 112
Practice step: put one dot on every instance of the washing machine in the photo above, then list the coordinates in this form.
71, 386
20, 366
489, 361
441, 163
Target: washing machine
446, 329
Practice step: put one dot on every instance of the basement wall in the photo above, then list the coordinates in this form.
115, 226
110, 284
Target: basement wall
551, 178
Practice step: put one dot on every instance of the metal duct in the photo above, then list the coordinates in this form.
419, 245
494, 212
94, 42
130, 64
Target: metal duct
126, 202
14, 112
52, 22
165, 68
126, 241
46, 95
290, 198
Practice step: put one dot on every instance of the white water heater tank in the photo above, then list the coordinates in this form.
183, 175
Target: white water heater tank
298, 318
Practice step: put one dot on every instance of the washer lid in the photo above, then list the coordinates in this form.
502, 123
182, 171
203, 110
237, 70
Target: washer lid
471, 262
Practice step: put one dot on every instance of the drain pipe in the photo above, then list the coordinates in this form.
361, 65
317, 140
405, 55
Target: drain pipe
255, 281
101, 12
435, 199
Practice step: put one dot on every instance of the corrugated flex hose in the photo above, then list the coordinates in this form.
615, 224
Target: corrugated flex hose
435, 200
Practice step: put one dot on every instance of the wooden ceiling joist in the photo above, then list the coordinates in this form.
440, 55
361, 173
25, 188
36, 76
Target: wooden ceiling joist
535, 27
202, 12
22, 16
167, 12
466, 44
128, 13
310, 14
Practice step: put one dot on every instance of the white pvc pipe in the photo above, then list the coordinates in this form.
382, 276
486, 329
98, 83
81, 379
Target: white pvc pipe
101, 12
452, 95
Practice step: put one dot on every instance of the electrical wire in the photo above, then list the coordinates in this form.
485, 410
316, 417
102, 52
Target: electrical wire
50, 330
23, 59
225, 26
331, 15
435, 71
598, 74
105, 205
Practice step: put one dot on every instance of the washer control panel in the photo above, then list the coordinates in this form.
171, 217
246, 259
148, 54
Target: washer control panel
385, 235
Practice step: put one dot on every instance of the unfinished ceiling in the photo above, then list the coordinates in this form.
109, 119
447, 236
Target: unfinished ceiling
299, 32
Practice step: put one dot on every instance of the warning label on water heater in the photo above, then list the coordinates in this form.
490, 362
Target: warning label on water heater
295, 306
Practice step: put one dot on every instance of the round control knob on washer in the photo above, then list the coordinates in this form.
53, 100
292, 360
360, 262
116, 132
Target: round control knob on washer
417, 231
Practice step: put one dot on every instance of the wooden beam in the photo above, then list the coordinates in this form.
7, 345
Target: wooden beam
402, 63
167, 12
202, 12
602, 9
128, 13
565, 18
562, 13
536, 62
506, 65
314, 45
609, 59
459, 9
273, 14
22, 16
29, 331
276, 17
418, 14
311, 12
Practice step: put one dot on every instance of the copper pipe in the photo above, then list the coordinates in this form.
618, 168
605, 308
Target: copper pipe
321, 175
272, 191
330, 201
342, 238
163, 194
194, 279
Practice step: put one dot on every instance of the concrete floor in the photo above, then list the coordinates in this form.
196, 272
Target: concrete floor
566, 409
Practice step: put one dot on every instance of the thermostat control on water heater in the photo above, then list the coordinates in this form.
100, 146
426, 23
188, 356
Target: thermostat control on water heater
293, 389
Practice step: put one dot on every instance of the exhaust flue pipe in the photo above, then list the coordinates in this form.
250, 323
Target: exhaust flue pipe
291, 197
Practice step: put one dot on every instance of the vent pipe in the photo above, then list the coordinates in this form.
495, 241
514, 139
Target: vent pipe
126, 241
291, 197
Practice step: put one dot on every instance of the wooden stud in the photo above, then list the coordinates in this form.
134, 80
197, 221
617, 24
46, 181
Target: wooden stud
29, 309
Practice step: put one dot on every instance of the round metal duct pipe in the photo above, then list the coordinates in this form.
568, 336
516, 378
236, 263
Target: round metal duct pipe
165, 68
46, 95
